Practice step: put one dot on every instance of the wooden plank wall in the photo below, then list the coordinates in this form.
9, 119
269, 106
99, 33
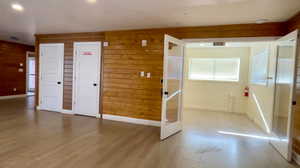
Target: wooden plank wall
228, 31
68, 40
124, 92
296, 119
293, 23
127, 94
11, 55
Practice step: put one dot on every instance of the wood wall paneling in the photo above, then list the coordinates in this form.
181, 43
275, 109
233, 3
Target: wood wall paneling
293, 23
125, 92
11, 55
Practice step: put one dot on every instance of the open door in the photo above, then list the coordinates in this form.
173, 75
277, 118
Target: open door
284, 99
171, 119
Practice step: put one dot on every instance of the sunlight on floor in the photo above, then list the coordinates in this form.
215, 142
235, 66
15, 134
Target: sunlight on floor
251, 136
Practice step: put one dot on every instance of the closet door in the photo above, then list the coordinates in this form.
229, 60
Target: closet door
86, 78
51, 77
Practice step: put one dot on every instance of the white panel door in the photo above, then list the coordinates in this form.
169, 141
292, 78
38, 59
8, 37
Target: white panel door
87, 78
284, 98
51, 76
171, 119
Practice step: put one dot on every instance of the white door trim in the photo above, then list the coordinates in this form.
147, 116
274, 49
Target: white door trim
40, 73
75, 44
27, 67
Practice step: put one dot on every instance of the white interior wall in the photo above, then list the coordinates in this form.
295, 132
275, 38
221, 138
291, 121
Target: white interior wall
215, 95
228, 96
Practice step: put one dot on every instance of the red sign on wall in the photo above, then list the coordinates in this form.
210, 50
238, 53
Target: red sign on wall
87, 53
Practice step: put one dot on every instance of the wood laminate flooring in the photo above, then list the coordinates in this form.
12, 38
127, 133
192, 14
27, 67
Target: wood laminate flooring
40, 139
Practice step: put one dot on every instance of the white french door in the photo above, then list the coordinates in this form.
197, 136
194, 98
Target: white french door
86, 85
284, 98
171, 119
51, 76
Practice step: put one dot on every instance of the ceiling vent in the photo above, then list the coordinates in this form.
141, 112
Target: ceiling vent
219, 43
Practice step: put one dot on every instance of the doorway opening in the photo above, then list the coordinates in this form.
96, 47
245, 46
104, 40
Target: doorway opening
30, 74
228, 87
231, 91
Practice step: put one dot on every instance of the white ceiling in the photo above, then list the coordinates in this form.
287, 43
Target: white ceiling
66, 16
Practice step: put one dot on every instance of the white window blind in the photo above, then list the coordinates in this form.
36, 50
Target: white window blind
217, 69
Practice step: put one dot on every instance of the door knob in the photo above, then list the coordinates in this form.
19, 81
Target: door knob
59, 83
166, 93
95, 84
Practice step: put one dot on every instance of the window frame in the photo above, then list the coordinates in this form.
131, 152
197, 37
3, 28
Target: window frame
252, 81
214, 69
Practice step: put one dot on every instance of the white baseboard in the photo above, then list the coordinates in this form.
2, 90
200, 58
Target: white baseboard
202, 108
209, 109
63, 111
12, 96
296, 158
66, 111
131, 120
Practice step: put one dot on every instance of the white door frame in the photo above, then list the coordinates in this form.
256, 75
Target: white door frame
174, 127
40, 73
27, 68
75, 44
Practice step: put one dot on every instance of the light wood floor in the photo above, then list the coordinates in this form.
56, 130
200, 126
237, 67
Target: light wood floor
30, 139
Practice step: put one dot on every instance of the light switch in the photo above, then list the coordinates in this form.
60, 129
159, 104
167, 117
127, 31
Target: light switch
105, 44
142, 74
148, 75
144, 43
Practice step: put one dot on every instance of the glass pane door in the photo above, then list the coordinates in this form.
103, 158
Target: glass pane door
284, 94
172, 87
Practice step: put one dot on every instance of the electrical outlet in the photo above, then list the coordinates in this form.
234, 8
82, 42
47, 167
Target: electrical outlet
148, 75
144, 43
105, 44
142, 74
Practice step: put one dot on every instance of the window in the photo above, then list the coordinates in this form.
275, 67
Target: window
259, 67
215, 69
